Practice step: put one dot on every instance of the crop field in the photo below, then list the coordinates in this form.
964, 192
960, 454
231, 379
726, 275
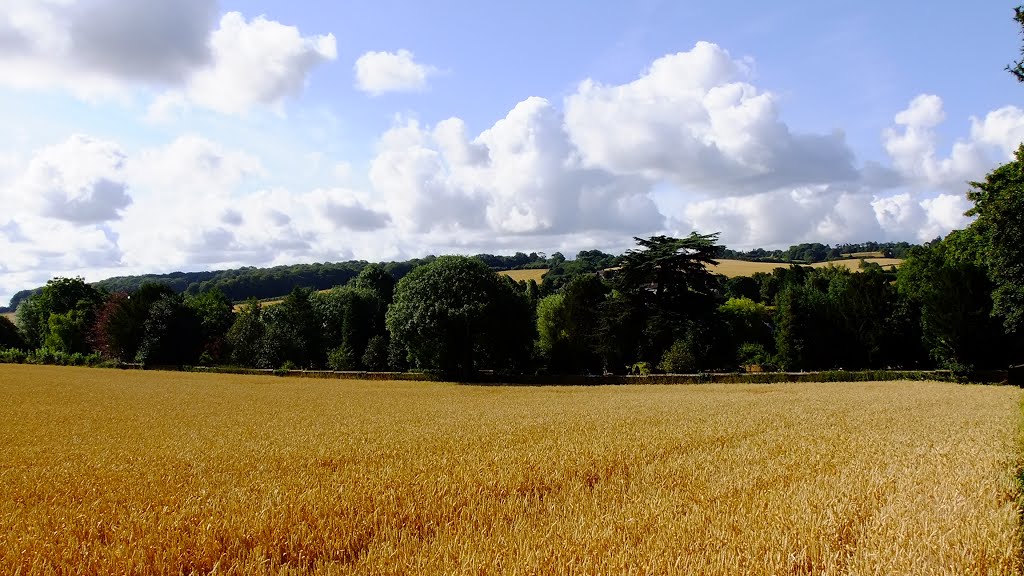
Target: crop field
854, 264
105, 471
733, 268
9, 315
526, 275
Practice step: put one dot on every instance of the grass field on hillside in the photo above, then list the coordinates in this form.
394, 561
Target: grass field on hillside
9, 315
105, 471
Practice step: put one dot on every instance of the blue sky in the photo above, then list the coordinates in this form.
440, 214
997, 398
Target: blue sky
159, 136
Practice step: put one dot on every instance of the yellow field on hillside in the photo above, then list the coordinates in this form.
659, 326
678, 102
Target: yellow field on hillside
733, 268
526, 275
854, 264
878, 254
105, 471
9, 315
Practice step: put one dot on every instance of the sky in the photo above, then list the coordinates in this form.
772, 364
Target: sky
155, 136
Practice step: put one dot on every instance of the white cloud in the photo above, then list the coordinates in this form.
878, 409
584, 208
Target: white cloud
256, 62
109, 48
97, 47
519, 177
380, 72
784, 217
912, 145
694, 119
80, 181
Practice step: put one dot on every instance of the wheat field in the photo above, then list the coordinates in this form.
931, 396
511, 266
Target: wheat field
535, 274
105, 471
854, 264
733, 268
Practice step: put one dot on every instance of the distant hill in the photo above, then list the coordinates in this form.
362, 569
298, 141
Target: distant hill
267, 283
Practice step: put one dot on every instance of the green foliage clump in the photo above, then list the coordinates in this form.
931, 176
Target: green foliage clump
458, 316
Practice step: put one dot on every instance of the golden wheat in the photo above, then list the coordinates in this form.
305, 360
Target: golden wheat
105, 471
854, 264
535, 274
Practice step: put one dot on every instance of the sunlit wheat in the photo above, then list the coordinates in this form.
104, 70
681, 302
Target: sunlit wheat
106, 472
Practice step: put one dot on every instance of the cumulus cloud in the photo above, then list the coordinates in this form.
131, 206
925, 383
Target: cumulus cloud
58, 212
380, 72
80, 181
145, 40
520, 176
108, 48
912, 144
256, 62
693, 118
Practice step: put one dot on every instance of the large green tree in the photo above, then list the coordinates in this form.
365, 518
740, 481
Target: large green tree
215, 313
948, 283
351, 316
667, 283
173, 335
72, 303
121, 320
293, 333
999, 207
377, 279
458, 316
245, 337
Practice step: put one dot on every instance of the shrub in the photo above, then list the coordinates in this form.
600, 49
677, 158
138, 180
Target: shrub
678, 359
342, 359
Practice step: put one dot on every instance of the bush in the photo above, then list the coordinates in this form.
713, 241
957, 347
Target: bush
640, 369
678, 359
51, 357
12, 356
342, 359
376, 356
753, 354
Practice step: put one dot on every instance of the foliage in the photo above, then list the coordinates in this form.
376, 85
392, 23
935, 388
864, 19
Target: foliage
342, 358
350, 316
375, 357
458, 316
667, 287
551, 326
678, 359
562, 271
120, 322
292, 333
9, 335
216, 316
377, 280
954, 296
1017, 67
170, 334
999, 207
72, 303
245, 337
